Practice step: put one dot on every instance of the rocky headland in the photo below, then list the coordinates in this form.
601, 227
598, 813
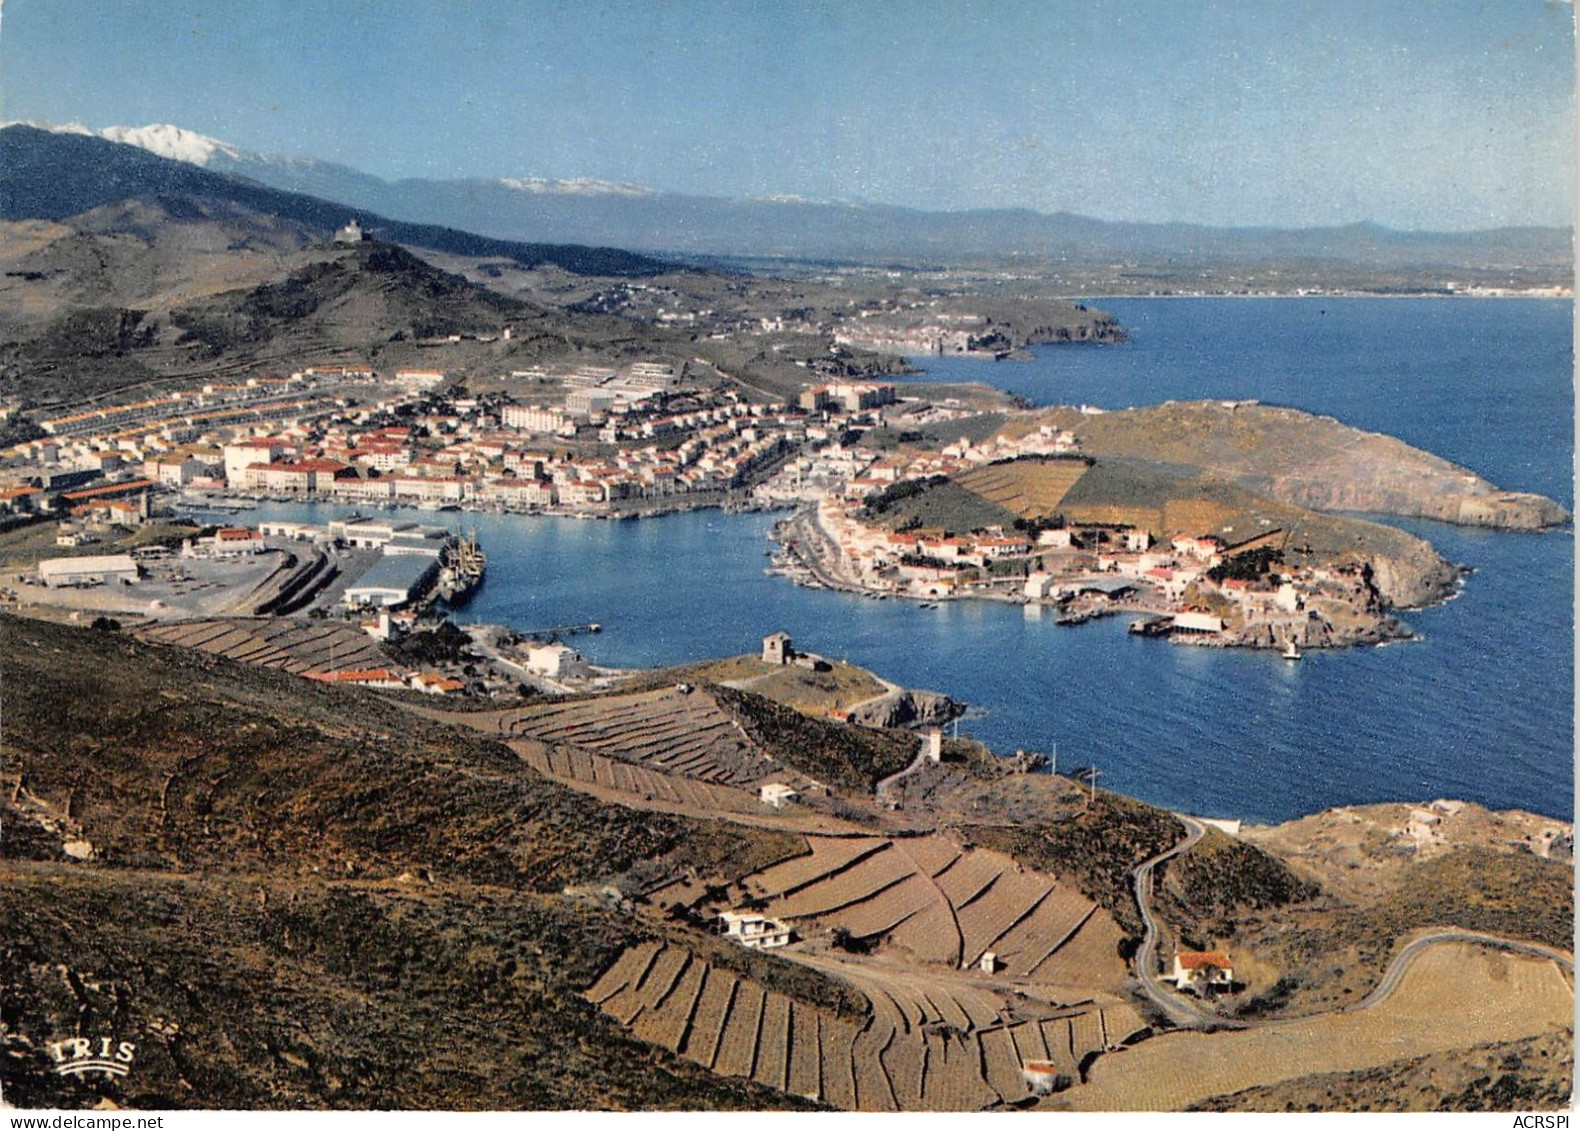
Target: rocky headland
1309, 461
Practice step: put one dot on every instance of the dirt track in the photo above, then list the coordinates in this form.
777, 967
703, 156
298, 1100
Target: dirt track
1450, 996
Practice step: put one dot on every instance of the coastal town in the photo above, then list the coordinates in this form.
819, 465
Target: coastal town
643, 439
1201, 589
881, 608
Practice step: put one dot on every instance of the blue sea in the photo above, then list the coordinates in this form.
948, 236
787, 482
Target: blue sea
1481, 707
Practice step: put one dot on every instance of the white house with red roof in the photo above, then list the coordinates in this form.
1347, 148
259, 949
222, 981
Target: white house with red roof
1201, 971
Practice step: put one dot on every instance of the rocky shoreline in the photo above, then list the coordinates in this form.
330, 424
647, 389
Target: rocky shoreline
1416, 577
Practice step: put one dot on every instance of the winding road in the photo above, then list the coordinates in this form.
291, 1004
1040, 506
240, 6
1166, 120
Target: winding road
1179, 1009
1187, 1014
882, 788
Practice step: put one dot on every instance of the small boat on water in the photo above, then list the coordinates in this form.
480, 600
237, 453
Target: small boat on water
1291, 652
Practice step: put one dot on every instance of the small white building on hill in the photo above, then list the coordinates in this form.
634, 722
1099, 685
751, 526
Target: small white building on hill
756, 932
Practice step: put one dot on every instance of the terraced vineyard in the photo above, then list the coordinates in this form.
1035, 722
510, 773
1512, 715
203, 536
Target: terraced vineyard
932, 1042
946, 905
1031, 488
297, 646
684, 733
571, 764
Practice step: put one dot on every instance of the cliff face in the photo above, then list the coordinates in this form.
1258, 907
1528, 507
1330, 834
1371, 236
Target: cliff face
907, 708
1475, 503
1412, 575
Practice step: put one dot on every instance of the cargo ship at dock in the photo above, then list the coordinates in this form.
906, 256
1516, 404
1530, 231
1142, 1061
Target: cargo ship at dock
461, 570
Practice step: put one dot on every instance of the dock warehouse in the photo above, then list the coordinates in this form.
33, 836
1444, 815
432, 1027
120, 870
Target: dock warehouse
99, 569
393, 581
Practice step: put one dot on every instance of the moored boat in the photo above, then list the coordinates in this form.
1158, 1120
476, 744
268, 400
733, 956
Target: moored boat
461, 570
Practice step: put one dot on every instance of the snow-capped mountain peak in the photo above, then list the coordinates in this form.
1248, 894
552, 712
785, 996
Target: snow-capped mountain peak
160, 139
173, 142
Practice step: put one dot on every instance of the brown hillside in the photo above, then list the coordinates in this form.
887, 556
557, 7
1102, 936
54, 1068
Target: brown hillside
292, 897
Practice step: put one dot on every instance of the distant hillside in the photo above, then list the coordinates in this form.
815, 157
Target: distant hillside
359, 300
666, 223
368, 290
52, 176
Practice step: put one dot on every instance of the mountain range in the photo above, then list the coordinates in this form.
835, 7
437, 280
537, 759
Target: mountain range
53, 175
615, 214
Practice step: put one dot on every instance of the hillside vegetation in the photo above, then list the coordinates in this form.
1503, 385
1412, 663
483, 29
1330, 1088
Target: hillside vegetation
848, 757
296, 898
1096, 848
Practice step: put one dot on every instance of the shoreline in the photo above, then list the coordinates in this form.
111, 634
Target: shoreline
1002, 741
1568, 296
813, 569
967, 710
804, 538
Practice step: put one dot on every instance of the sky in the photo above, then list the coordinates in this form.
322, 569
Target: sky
1441, 115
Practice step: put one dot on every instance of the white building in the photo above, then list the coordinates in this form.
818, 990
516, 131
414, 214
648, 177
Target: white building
392, 582
98, 569
1197, 622
226, 542
532, 418
777, 794
1201, 970
172, 471
586, 402
1038, 586
245, 453
756, 932
1043, 1076
777, 650
556, 661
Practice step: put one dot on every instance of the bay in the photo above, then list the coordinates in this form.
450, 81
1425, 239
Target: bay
1481, 707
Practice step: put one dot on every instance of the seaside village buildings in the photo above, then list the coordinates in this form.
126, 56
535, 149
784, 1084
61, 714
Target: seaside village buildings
613, 440
344, 434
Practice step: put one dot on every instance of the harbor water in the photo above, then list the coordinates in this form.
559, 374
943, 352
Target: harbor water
1480, 707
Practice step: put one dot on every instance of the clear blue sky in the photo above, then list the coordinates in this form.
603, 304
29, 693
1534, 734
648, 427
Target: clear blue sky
1443, 115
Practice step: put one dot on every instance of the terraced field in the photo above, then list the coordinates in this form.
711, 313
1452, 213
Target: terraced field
1029, 488
677, 733
933, 1042
297, 646
944, 905
571, 764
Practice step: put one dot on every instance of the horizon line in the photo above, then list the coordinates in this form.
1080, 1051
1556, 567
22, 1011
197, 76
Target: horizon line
79, 128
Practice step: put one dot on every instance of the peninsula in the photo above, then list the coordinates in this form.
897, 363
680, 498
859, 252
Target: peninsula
1200, 518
